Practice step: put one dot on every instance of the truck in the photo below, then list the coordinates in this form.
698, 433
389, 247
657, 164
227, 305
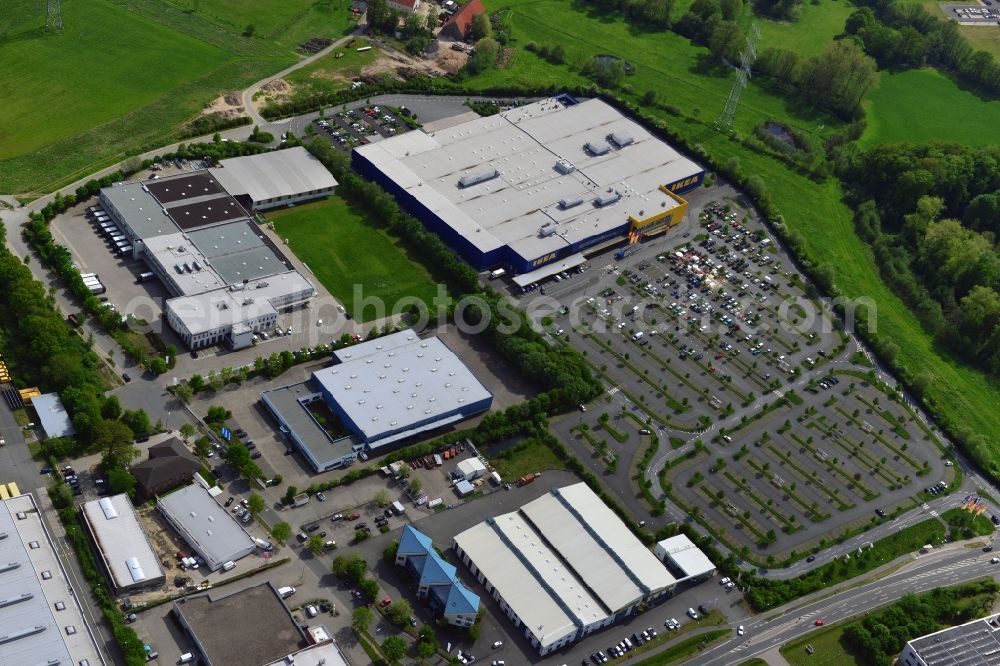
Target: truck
437, 460
497, 273
528, 478
300, 500
398, 508
631, 249
286, 592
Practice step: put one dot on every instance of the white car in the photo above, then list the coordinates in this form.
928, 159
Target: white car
739, 630
724, 581
497, 645
692, 613
730, 585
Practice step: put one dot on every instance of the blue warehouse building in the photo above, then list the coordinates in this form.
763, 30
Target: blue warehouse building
378, 393
535, 188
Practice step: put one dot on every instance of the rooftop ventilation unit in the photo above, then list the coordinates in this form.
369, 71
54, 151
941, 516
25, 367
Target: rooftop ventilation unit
570, 202
108, 508
621, 139
476, 178
607, 199
597, 148
546, 230
565, 167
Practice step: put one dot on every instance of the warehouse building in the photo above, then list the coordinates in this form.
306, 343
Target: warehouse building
437, 581
563, 566
122, 545
53, 416
536, 188
975, 643
206, 526
378, 393
227, 280
470, 469
41, 621
276, 178
400, 385
684, 559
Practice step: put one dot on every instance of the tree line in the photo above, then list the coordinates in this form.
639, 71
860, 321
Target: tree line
904, 35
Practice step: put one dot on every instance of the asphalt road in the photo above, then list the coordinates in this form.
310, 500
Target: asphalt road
950, 566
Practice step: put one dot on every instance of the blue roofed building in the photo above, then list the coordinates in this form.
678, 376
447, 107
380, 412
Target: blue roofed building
437, 580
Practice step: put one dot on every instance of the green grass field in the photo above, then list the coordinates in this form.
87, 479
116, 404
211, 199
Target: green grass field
344, 251
815, 28
924, 105
330, 73
286, 23
106, 63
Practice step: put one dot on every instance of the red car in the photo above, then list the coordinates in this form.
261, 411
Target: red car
385, 602
354, 516
820, 622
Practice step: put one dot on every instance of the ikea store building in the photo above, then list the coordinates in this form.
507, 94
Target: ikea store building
534, 188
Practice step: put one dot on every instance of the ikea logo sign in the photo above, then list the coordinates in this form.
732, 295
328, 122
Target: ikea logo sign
543, 260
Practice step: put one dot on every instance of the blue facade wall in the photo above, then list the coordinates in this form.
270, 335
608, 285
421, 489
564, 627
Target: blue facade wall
689, 186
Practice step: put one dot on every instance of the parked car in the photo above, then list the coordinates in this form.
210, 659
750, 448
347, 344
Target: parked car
354, 516
385, 602
321, 497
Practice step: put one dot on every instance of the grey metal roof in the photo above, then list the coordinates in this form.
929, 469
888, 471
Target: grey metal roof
121, 539
55, 420
238, 251
323, 450
401, 386
25, 553
976, 643
206, 525
274, 174
141, 210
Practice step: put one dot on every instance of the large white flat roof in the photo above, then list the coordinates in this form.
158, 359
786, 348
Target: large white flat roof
524, 145
206, 522
274, 174
55, 420
540, 612
29, 565
402, 381
686, 555
562, 556
121, 540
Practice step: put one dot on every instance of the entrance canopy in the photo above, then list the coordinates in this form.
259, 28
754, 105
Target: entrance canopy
549, 270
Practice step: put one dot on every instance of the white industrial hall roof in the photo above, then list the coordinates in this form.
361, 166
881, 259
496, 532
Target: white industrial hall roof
274, 174
686, 556
55, 420
41, 621
564, 560
121, 541
400, 383
207, 523
540, 155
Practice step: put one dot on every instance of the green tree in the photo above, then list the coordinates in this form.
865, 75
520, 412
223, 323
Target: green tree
481, 27
111, 409
415, 486
121, 481
217, 415
256, 504
315, 545
382, 498
427, 645
138, 421
114, 439
838, 78
394, 647
187, 430
369, 588
290, 493
399, 612
361, 618
281, 532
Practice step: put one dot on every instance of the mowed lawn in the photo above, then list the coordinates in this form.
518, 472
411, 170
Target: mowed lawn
286, 22
815, 28
107, 62
923, 105
331, 73
684, 75
345, 252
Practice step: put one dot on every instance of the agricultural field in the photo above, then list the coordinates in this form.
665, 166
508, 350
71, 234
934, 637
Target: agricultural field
924, 105
124, 77
344, 251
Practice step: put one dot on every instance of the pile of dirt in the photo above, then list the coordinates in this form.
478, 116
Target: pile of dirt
451, 61
277, 91
315, 44
229, 105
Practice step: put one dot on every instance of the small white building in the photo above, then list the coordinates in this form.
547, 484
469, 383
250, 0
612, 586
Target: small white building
684, 558
122, 544
471, 468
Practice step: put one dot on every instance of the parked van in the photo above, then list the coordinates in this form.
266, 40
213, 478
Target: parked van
229, 566
286, 592
311, 611
146, 277
637, 336
186, 658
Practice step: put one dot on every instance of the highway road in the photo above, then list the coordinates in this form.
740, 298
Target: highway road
948, 566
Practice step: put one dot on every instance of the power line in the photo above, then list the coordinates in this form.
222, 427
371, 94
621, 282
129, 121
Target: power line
53, 16
747, 57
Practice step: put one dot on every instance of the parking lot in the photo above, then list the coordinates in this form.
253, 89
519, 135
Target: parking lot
356, 127
977, 14
711, 334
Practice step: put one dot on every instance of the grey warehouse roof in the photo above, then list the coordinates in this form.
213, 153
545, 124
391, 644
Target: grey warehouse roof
274, 174
53, 416
976, 643
531, 148
409, 381
323, 450
686, 555
206, 522
34, 624
121, 541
